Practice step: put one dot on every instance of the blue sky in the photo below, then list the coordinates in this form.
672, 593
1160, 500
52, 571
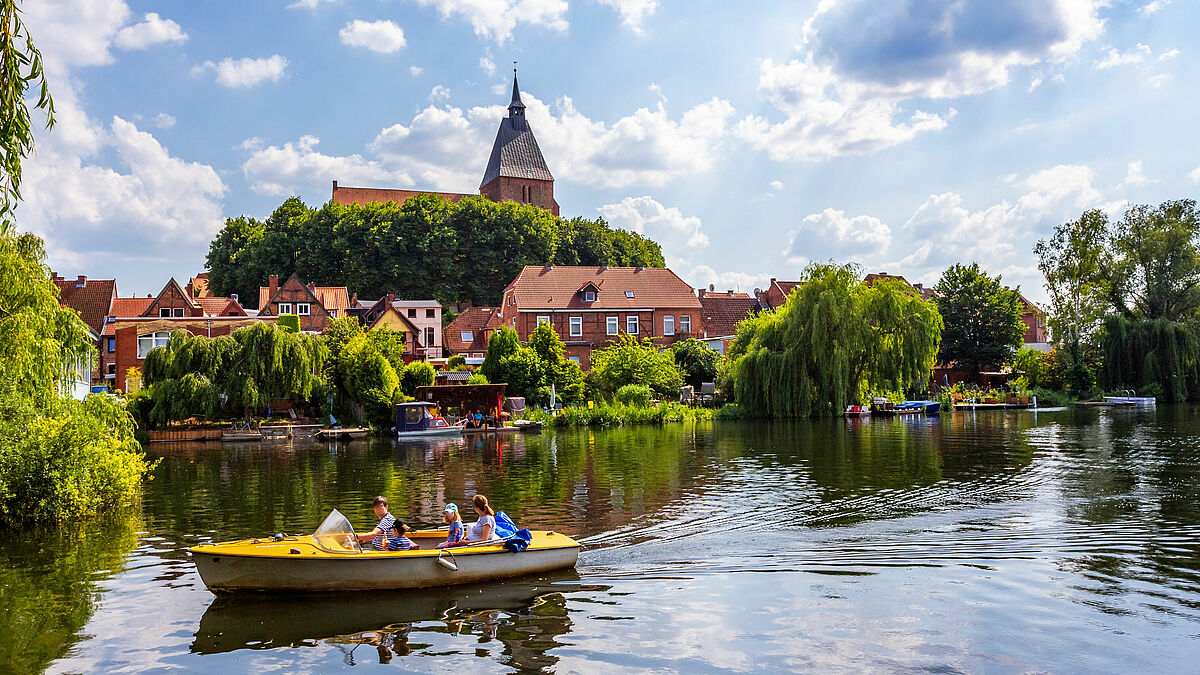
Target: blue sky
748, 139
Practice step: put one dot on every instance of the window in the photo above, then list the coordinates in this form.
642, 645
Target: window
668, 325
429, 337
303, 308
573, 359
429, 314
285, 308
589, 296
150, 341
685, 324
543, 319
178, 311
164, 312
629, 294
112, 345
333, 313
631, 325
577, 326
477, 355
412, 312
613, 323
467, 336
111, 368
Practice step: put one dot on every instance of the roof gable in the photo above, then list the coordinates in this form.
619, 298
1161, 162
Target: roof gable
722, 313
476, 320
171, 291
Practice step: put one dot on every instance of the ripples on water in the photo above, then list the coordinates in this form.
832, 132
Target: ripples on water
1001, 542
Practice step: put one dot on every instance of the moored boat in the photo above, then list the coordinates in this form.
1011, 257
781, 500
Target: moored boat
420, 418
857, 411
927, 407
341, 433
331, 559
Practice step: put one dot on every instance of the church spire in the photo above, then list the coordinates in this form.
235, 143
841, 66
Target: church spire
516, 109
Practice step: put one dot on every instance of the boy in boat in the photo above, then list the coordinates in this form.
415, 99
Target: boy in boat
387, 522
400, 542
451, 518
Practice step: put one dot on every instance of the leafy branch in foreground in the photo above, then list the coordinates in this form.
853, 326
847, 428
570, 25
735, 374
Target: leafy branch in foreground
19, 68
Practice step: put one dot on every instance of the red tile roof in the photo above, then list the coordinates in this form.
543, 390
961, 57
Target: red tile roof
216, 306
473, 319
347, 196
330, 297
130, 307
786, 287
92, 300
538, 287
722, 313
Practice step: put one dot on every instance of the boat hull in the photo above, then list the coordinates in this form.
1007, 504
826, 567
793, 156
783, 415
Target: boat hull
438, 431
313, 570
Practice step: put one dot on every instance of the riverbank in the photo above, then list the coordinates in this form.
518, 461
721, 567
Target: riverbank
619, 414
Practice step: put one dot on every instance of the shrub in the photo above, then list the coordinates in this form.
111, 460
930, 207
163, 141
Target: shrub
478, 378
634, 394
289, 322
416, 374
456, 362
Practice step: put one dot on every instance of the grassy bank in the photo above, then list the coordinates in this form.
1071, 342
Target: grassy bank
618, 414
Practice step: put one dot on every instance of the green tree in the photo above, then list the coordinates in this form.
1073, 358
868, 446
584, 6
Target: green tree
416, 374
834, 340
368, 377
456, 362
1155, 266
632, 361
982, 318
502, 344
232, 267
697, 362
1073, 261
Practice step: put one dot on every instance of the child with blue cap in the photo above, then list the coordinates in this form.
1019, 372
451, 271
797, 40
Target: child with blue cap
451, 518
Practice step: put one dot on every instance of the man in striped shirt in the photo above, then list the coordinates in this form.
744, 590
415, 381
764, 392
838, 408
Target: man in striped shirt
383, 528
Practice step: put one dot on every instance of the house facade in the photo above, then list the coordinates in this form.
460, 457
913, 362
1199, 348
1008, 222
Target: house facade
93, 300
419, 320
516, 170
776, 293
468, 334
137, 325
591, 306
315, 305
720, 314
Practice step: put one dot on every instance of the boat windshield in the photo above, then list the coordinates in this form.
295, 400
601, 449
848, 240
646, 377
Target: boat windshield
337, 534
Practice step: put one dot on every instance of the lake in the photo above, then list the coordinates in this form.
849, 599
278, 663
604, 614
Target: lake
990, 542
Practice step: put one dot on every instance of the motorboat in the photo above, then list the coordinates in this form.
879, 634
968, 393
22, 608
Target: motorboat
331, 559
927, 407
858, 411
421, 418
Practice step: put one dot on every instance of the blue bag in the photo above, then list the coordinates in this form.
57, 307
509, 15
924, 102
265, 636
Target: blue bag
520, 539
505, 527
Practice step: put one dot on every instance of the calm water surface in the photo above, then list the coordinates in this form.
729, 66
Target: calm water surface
1000, 542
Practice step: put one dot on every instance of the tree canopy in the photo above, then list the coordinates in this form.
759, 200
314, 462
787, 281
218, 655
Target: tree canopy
983, 325
628, 360
426, 248
833, 341
530, 370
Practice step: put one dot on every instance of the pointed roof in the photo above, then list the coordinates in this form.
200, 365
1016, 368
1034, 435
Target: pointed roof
516, 153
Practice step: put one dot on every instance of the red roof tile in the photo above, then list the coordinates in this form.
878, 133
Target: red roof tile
722, 313
216, 306
130, 307
92, 300
477, 320
330, 297
347, 196
539, 287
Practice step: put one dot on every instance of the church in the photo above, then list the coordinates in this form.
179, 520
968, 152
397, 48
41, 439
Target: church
516, 170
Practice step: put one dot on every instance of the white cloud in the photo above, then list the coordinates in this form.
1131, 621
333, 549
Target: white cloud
1034, 84
832, 235
1153, 7
446, 148
487, 65
680, 236
633, 12
1170, 54
1115, 57
280, 170
415, 70
154, 30
308, 4
861, 69
1134, 176
95, 190
496, 19
1194, 174
439, 94
164, 121
245, 72
776, 185
943, 232
383, 37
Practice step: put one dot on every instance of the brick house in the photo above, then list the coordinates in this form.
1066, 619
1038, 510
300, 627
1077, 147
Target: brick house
315, 305
516, 170
589, 306
93, 300
137, 325
776, 293
1036, 334
720, 314
468, 334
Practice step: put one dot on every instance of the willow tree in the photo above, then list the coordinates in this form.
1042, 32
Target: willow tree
834, 340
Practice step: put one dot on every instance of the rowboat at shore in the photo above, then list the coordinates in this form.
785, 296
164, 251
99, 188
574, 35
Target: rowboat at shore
330, 559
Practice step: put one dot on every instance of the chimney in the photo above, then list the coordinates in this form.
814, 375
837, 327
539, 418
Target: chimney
335, 187
81, 281
729, 293
549, 267
353, 297
772, 279
272, 285
700, 292
55, 276
234, 297
312, 288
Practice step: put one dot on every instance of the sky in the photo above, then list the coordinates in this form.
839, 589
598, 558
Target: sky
749, 139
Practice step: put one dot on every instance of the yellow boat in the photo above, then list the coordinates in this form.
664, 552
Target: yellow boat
331, 559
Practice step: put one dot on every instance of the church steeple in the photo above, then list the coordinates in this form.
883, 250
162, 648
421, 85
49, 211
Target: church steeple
516, 109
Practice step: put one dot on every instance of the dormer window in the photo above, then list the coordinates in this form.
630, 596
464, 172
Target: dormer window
589, 296
629, 294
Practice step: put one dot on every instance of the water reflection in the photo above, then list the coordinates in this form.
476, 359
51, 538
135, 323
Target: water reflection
939, 543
